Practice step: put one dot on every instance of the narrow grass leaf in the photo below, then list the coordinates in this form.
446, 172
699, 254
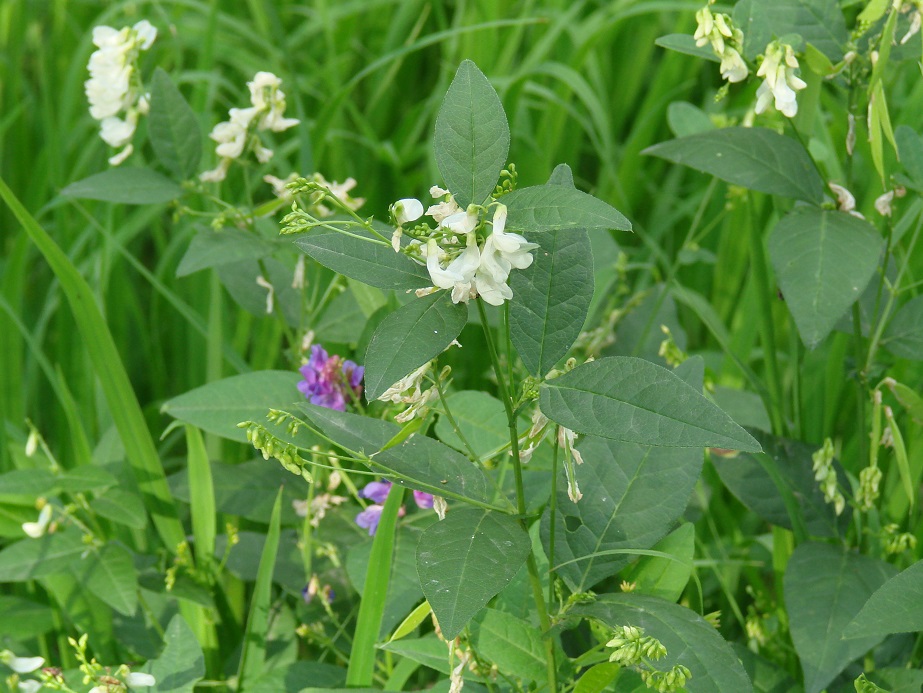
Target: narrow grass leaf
559, 207
689, 639
128, 186
409, 337
173, 128
825, 588
372, 605
409, 624
472, 136
755, 158
202, 498
123, 405
823, 260
253, 655
635, 401
895, 607
373, 263
110, 574
466, 559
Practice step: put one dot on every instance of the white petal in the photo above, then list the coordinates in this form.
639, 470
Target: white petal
138, 678
406, 210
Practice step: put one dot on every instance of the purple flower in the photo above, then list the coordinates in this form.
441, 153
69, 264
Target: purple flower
423, 499
376, 491
369, 518
329, 381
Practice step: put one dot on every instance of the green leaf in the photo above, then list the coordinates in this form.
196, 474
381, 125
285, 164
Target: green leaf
597, 678
687, 119
110, 575
558, 207
754, 477
767, 677
632, 496
361, 669
636, 401
253, 656
472, 136
895, 607
182, 664
87, 477
910, 146
825, 588
429, 651
21, 619
202, 494
511, 643
403, 585
215, 248
823, 260
419, 462
130, 186
121, 506
28, 559
27, 482
219, 406
373, 263
466, 559
685, 43
173, 128
120, 397
689, 639
299, 676
818, 22
482, 421
412, 335
904, 335
551, 297
755, 158
663, 577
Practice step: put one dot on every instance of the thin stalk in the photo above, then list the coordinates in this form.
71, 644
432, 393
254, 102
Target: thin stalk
453, 423
552, 513
531, 565
767, 334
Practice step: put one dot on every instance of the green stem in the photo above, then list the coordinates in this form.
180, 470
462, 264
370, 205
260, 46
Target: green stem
764, 295
453, 423
531, 565
553, 509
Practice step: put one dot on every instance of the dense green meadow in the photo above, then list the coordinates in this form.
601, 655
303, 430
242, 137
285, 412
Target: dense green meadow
736, 344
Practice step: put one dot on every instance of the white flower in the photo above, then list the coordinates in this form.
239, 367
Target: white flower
268, 98
845, 200
138, 679
406, 210
459, 274
20, 665
461, 223
38, 529
29, 686
502, 252
393, 393
883, 203
780, 82
117, 132
733, 67
145, 33
440, 506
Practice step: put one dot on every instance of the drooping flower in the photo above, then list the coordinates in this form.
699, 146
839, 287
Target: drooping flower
726, 41
20, 665
138, 679
459, 274
37, 529
502, 252
377, 492
779, 80
330, 381
406, 210
114, 88
240, 132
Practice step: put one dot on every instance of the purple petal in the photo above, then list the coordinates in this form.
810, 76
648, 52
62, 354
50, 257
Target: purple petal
423, 499
318, 358
368, 518
376, 491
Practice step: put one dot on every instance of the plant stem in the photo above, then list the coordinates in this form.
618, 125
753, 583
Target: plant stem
531, 565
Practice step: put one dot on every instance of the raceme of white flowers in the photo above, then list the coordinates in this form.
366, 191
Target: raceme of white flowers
779, 80
477, 267
114, 89
725, 39
239, 133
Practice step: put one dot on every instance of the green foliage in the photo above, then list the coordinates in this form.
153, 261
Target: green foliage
130, 186
174, 129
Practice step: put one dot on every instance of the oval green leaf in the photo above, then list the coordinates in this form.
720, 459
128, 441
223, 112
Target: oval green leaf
130, 186
173, 128
635, 401
895, 607
755, 158
904, 334
557, 207
409, 337
466, 559
823, 260
472, 136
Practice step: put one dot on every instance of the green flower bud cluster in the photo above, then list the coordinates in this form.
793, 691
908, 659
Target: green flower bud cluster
667, 681
508, 179
632, 646
896, 543
863, 685
825, 475
287, 454
868, 493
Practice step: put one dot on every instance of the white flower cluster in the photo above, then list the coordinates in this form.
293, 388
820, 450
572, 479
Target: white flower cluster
480, 268
409, 390
239, 132
725, 39
114, 88
779, 80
